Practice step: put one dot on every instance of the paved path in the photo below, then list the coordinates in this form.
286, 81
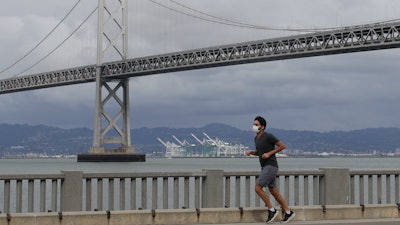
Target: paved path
395, 221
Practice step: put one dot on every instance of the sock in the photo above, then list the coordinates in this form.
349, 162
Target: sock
288, 212
272, 209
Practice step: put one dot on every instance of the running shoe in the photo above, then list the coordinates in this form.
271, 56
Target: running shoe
271, 215
288, 217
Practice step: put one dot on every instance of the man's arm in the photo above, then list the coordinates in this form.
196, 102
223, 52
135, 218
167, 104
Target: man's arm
279, 147
251, 152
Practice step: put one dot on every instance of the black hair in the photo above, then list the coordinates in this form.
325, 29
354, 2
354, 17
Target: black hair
262, 121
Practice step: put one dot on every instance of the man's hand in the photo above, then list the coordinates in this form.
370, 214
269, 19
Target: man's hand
248, 152
265, 155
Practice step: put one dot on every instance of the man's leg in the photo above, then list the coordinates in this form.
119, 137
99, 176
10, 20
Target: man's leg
260, 192
289, 214
267, 178
272, 213
279, 198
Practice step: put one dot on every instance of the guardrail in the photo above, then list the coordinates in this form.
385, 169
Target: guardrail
78, 191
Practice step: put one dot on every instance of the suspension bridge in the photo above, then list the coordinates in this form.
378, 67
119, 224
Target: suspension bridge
112, 78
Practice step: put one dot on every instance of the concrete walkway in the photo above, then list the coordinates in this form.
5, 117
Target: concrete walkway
314, 215
394, 221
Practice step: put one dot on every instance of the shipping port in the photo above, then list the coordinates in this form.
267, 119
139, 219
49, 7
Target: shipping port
205, 147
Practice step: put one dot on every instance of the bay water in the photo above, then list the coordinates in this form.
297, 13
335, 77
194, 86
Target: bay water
46, 166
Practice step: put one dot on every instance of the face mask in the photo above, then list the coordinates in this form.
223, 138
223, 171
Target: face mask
255, 129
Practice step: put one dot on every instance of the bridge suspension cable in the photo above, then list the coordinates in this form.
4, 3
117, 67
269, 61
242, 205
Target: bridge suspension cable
59, 45
229, 22
41, 41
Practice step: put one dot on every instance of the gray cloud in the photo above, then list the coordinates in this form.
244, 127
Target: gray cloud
340, 92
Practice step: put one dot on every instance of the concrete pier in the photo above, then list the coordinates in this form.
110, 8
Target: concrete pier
111, 157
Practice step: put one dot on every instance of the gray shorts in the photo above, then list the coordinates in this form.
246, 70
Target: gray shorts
267, 176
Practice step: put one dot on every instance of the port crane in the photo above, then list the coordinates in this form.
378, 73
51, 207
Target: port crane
172, 149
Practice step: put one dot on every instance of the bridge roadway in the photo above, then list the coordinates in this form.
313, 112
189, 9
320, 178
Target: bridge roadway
392, 221
346, 40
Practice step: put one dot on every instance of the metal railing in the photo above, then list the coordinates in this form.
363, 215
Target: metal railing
78, 191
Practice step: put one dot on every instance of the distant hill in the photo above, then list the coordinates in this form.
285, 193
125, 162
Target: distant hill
22, 138
16, 139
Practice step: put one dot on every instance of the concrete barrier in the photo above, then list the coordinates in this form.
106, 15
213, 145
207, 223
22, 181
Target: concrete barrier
199, 216
212, 188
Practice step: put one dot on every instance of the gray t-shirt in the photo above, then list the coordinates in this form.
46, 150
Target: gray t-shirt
266, 143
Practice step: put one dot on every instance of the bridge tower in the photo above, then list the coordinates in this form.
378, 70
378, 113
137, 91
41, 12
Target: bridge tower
111, 139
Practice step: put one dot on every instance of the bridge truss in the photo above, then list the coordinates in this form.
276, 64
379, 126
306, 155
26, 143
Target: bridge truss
111, 129
346, 40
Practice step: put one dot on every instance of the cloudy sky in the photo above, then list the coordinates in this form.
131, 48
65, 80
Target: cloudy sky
340, 92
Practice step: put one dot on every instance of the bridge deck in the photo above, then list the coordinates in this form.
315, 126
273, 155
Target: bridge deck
346, 40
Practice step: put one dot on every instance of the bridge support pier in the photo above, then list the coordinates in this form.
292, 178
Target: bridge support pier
111, 139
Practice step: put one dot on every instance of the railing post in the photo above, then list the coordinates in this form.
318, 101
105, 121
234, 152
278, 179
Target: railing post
213, 185
71, 191
335, 186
